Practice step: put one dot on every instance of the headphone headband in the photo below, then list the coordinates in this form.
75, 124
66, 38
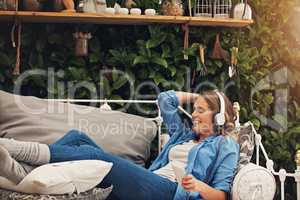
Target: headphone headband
220, 116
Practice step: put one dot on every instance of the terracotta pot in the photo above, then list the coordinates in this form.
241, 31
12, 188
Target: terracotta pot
32, 5
63, 5
69, 5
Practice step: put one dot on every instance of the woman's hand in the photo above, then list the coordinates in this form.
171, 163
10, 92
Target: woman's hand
191, 184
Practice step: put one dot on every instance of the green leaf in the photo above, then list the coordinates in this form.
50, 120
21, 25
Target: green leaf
4, 59
219, 63
154, 42
77, 61
40, 45
143, 73
159, 79
256, 123
268, 99
152, 74
198, 64
120, 82
115, 75
172, 70
117, 97
94, 58
151, 44
115, 53
295, 129
55, 39
76, 73
140, 60
281, 120
40, 60
180, 80
94, 45
141, 44
160, 61
166, 51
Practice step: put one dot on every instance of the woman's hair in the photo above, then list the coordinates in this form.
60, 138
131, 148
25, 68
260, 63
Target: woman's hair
213, 102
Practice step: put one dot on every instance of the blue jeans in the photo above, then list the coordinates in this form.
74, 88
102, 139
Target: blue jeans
130, 181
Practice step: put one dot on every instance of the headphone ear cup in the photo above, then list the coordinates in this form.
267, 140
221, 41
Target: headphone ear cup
219, 119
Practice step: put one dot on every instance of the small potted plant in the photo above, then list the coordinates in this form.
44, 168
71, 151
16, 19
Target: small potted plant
172, 7
8, 5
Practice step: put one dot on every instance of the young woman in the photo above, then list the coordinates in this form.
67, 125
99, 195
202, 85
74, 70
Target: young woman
208, 154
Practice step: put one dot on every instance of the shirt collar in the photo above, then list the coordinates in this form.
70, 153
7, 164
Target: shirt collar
208, 139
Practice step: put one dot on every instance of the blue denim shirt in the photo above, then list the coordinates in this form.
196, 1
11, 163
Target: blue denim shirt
204, 163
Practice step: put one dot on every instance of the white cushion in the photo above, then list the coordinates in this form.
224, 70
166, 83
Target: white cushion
61, 178
253, 182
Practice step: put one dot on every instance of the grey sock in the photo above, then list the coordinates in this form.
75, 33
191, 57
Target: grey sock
32, 153
11, 169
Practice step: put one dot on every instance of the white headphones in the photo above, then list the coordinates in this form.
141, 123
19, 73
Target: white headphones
220, 116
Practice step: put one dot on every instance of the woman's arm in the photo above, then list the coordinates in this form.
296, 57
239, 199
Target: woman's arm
191, 184
168, 103
186, 97
222, 177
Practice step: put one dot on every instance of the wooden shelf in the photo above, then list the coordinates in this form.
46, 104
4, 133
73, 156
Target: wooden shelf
91, 18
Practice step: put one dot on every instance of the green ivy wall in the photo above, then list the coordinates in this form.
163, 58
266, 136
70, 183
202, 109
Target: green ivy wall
155, 54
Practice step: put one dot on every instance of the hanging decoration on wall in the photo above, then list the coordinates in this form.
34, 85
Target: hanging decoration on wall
203, 8
218, 51
222, 8
186, 30
203, 70
232, 70
242, 11
81, 43
16, 43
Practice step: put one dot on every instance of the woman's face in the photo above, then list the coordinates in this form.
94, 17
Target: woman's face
202, 118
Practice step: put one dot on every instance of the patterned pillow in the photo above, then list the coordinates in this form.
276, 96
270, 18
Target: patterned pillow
246, 140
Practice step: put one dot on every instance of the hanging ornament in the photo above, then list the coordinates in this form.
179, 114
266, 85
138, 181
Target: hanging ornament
242, 11
232, 70
81, 43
